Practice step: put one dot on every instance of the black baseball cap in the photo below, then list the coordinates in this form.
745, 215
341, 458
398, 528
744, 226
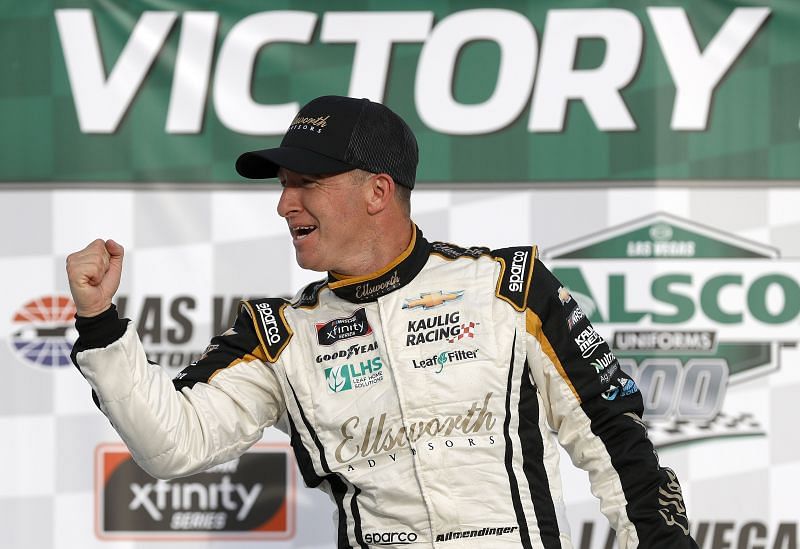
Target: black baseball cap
334, 134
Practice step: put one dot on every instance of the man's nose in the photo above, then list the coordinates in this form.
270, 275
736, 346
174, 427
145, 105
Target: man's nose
288, 203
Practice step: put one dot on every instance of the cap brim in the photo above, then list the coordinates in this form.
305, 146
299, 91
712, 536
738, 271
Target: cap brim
264, 164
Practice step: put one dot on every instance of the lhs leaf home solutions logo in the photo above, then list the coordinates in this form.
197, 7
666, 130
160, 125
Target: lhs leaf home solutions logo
44, 331
686, 309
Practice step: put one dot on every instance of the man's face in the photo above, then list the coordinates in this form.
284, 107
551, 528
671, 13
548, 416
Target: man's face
326, 216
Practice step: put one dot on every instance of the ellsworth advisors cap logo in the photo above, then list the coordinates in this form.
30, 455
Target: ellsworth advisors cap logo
687, 310
44, 331
249, 498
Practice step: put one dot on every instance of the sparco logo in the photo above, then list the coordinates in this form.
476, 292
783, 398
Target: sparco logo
249, 496
687, 309
338, 329
375, 289
390, 538
517, 279
267, 316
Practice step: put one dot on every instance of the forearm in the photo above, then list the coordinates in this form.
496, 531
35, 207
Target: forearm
170, 433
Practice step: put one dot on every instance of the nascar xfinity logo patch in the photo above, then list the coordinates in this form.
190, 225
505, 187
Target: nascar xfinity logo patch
338, 329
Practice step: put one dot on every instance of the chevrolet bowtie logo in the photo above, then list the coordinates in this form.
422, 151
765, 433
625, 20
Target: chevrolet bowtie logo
430, 300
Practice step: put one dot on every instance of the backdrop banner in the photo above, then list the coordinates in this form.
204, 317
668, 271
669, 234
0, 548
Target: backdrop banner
515, 91
698, 291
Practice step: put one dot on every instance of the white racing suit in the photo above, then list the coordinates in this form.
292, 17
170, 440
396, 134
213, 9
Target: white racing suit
420, 398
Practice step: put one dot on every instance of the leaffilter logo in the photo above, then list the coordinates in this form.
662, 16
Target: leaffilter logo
44, 332
686, 309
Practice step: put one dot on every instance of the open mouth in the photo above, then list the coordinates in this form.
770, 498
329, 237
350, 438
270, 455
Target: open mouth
302, 231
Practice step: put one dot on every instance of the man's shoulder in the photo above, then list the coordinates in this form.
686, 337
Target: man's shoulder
514, 267
269, 320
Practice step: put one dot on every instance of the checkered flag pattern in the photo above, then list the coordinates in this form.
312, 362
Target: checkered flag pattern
467, 330
197, 251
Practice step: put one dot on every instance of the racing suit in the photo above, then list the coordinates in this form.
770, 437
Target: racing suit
420, 398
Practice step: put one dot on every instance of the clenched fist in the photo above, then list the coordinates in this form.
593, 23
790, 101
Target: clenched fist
94, 274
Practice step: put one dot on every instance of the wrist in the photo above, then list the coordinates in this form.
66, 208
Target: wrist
91, 313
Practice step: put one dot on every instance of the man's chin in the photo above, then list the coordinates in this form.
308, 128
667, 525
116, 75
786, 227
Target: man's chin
308, 263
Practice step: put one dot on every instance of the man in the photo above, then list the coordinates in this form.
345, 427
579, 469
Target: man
419, 380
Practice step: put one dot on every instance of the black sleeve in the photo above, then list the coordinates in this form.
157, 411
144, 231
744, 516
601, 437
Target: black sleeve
96, 332
237, 344
613, 403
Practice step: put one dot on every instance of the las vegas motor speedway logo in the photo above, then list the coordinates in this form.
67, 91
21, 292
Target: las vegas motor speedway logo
689, 311
44, 332
171, 328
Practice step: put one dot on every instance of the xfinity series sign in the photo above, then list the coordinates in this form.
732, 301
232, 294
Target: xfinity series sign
688, 310
251, 497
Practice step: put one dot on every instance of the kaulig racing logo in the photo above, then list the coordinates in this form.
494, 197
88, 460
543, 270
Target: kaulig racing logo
688, 311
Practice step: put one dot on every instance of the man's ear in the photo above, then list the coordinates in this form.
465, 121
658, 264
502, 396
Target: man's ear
380, 192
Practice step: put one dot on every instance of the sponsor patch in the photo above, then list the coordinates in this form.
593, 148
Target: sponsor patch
452, 251
588, 341
439, 360
624, 387
488, 531
517, 264
373, 289
390, 538
429, 300
445, 327
354, 375
351, 351
603, 362
338, 329
575, 316
369, 437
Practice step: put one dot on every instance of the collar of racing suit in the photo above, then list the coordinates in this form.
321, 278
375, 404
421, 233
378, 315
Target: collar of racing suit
398, 273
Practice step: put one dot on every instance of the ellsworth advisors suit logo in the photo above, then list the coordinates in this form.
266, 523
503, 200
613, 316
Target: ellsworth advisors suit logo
688, 310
